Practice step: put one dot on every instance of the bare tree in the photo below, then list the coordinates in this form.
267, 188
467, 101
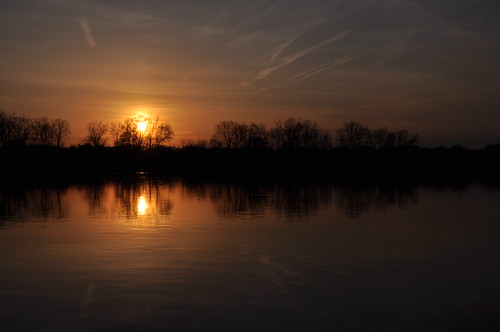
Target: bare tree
155, 133
97, 131
14, 130
240, 136
214, 143
298, 134
231, 134
125, 133
352, 135
61, 131
379, 138
257, 136
6, 128
114, 130
404, 139
276, 136
292, 131
325, 140
22, 130
310, 135
224, 133
43, 133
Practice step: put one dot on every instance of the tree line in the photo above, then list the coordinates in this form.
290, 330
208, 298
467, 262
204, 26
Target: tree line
139, 132
147, 133
298, 134
18, 130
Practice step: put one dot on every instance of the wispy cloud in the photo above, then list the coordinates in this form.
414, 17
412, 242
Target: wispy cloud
288, 60
86, 30
282, 47
310, 72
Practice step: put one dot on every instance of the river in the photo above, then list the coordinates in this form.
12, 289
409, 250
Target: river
152, 254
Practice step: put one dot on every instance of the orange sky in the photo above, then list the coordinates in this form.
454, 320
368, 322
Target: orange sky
426, 66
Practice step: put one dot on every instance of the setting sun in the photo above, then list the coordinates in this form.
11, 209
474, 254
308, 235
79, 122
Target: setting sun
142, 123
142, 126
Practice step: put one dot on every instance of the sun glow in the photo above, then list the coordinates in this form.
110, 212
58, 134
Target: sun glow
142, 126
142, 123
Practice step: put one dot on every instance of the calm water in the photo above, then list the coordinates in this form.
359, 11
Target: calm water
157, 255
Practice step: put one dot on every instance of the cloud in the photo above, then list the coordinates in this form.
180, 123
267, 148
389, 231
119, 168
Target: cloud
310, 72
86, 29
288, 60
282, 47
246, 39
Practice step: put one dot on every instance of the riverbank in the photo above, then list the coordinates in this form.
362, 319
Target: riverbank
337, 165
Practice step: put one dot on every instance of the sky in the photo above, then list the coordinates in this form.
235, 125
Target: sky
429, 66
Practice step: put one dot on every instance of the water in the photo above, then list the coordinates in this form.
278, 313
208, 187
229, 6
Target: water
152, 254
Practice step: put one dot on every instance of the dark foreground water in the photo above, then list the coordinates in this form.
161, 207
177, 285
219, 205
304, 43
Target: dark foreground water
152, 255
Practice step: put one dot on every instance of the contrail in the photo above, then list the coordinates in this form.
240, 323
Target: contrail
282, 48
288, 60
310, 72
285, 45
86, 29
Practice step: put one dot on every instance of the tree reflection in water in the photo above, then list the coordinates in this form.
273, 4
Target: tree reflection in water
355, 201
94, 194
150, 200
145, 200
294, 201
36, 204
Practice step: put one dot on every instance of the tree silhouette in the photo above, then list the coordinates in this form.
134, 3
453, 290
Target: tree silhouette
352, 135
43, 133
125, 133
300, 134
14, 130
257, 136
291, 134
61, 131
404, 139
155, 134
276, 136
50, 132
96, 133
225, 134
379, 138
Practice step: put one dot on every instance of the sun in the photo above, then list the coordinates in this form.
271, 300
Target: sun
142, 123
142, 126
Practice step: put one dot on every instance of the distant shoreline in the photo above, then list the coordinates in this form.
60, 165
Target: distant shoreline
413, 164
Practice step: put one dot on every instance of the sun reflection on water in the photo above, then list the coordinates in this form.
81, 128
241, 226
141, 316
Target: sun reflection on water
142, 206
143, 202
